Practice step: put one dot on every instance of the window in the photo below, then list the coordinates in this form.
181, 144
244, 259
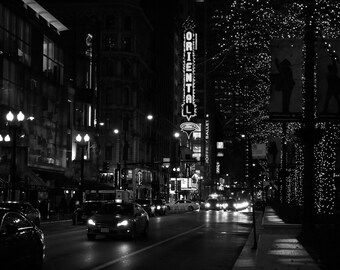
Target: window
15, 37
127, 44
127, 69
109, 67
110, 22
53, 64
15, 219
126, 96
127, 23
110, 42
109, 95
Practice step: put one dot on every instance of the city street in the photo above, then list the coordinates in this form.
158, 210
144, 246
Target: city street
191, 240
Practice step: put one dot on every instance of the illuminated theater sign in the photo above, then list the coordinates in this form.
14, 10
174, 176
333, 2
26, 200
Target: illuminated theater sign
189, 108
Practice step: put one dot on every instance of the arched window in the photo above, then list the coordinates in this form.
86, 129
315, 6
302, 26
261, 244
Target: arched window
127, 23
109, 67
110, 22
126, 95
127, 68
109, 95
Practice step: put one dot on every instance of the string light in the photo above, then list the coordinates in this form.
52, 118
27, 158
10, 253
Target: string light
244, 30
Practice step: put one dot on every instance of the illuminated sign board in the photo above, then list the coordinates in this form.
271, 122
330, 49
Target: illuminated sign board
189, 108
220, 145
207, 131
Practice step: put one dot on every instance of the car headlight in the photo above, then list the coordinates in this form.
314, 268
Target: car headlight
158, 207
207, 205
123, 223
91, 222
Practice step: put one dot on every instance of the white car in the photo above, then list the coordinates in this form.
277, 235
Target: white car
183, 205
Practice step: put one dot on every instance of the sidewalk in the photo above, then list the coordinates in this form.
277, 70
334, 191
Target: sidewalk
277, 246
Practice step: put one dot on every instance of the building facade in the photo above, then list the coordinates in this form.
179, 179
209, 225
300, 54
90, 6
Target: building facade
32, 82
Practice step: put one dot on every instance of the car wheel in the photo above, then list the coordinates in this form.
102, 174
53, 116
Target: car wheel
146, 230
91, 236
190, 208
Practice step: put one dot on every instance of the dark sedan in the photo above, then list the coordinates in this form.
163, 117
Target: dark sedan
21, 242
33, 214
118, 219
212, 204
147, 205
160, 207
86, 210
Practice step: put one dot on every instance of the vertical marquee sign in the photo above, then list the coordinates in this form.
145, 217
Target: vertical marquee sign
189, 108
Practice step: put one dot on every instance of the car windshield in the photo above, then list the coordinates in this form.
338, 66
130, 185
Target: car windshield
143, 201
13, 206
212, 201
157, 201
231, 200
120, 209
92, 206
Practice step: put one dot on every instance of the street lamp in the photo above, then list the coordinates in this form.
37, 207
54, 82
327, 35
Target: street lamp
14, 122
82, 141
176, 170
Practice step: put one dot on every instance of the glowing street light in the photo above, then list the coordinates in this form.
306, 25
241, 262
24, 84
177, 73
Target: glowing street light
82, 141
14, 122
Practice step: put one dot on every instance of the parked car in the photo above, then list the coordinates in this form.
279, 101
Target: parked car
21, 242
183, 205
33, 214
85, 211
118, 219
160, 207
148, 206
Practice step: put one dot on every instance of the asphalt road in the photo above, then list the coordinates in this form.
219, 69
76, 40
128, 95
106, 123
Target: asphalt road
192, 240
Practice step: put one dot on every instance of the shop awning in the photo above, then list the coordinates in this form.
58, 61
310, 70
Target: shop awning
34, 181
2, 182
56, 179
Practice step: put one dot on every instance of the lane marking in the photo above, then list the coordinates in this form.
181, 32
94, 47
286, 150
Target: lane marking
107, 264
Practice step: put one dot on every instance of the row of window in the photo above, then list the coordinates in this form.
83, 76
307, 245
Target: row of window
113, 67
15, 25
16, 48
111, 43
15, 41
111, 22
119, 96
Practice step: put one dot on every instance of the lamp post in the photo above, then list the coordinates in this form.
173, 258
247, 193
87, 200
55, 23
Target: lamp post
13, 122
82, 141
176, 170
